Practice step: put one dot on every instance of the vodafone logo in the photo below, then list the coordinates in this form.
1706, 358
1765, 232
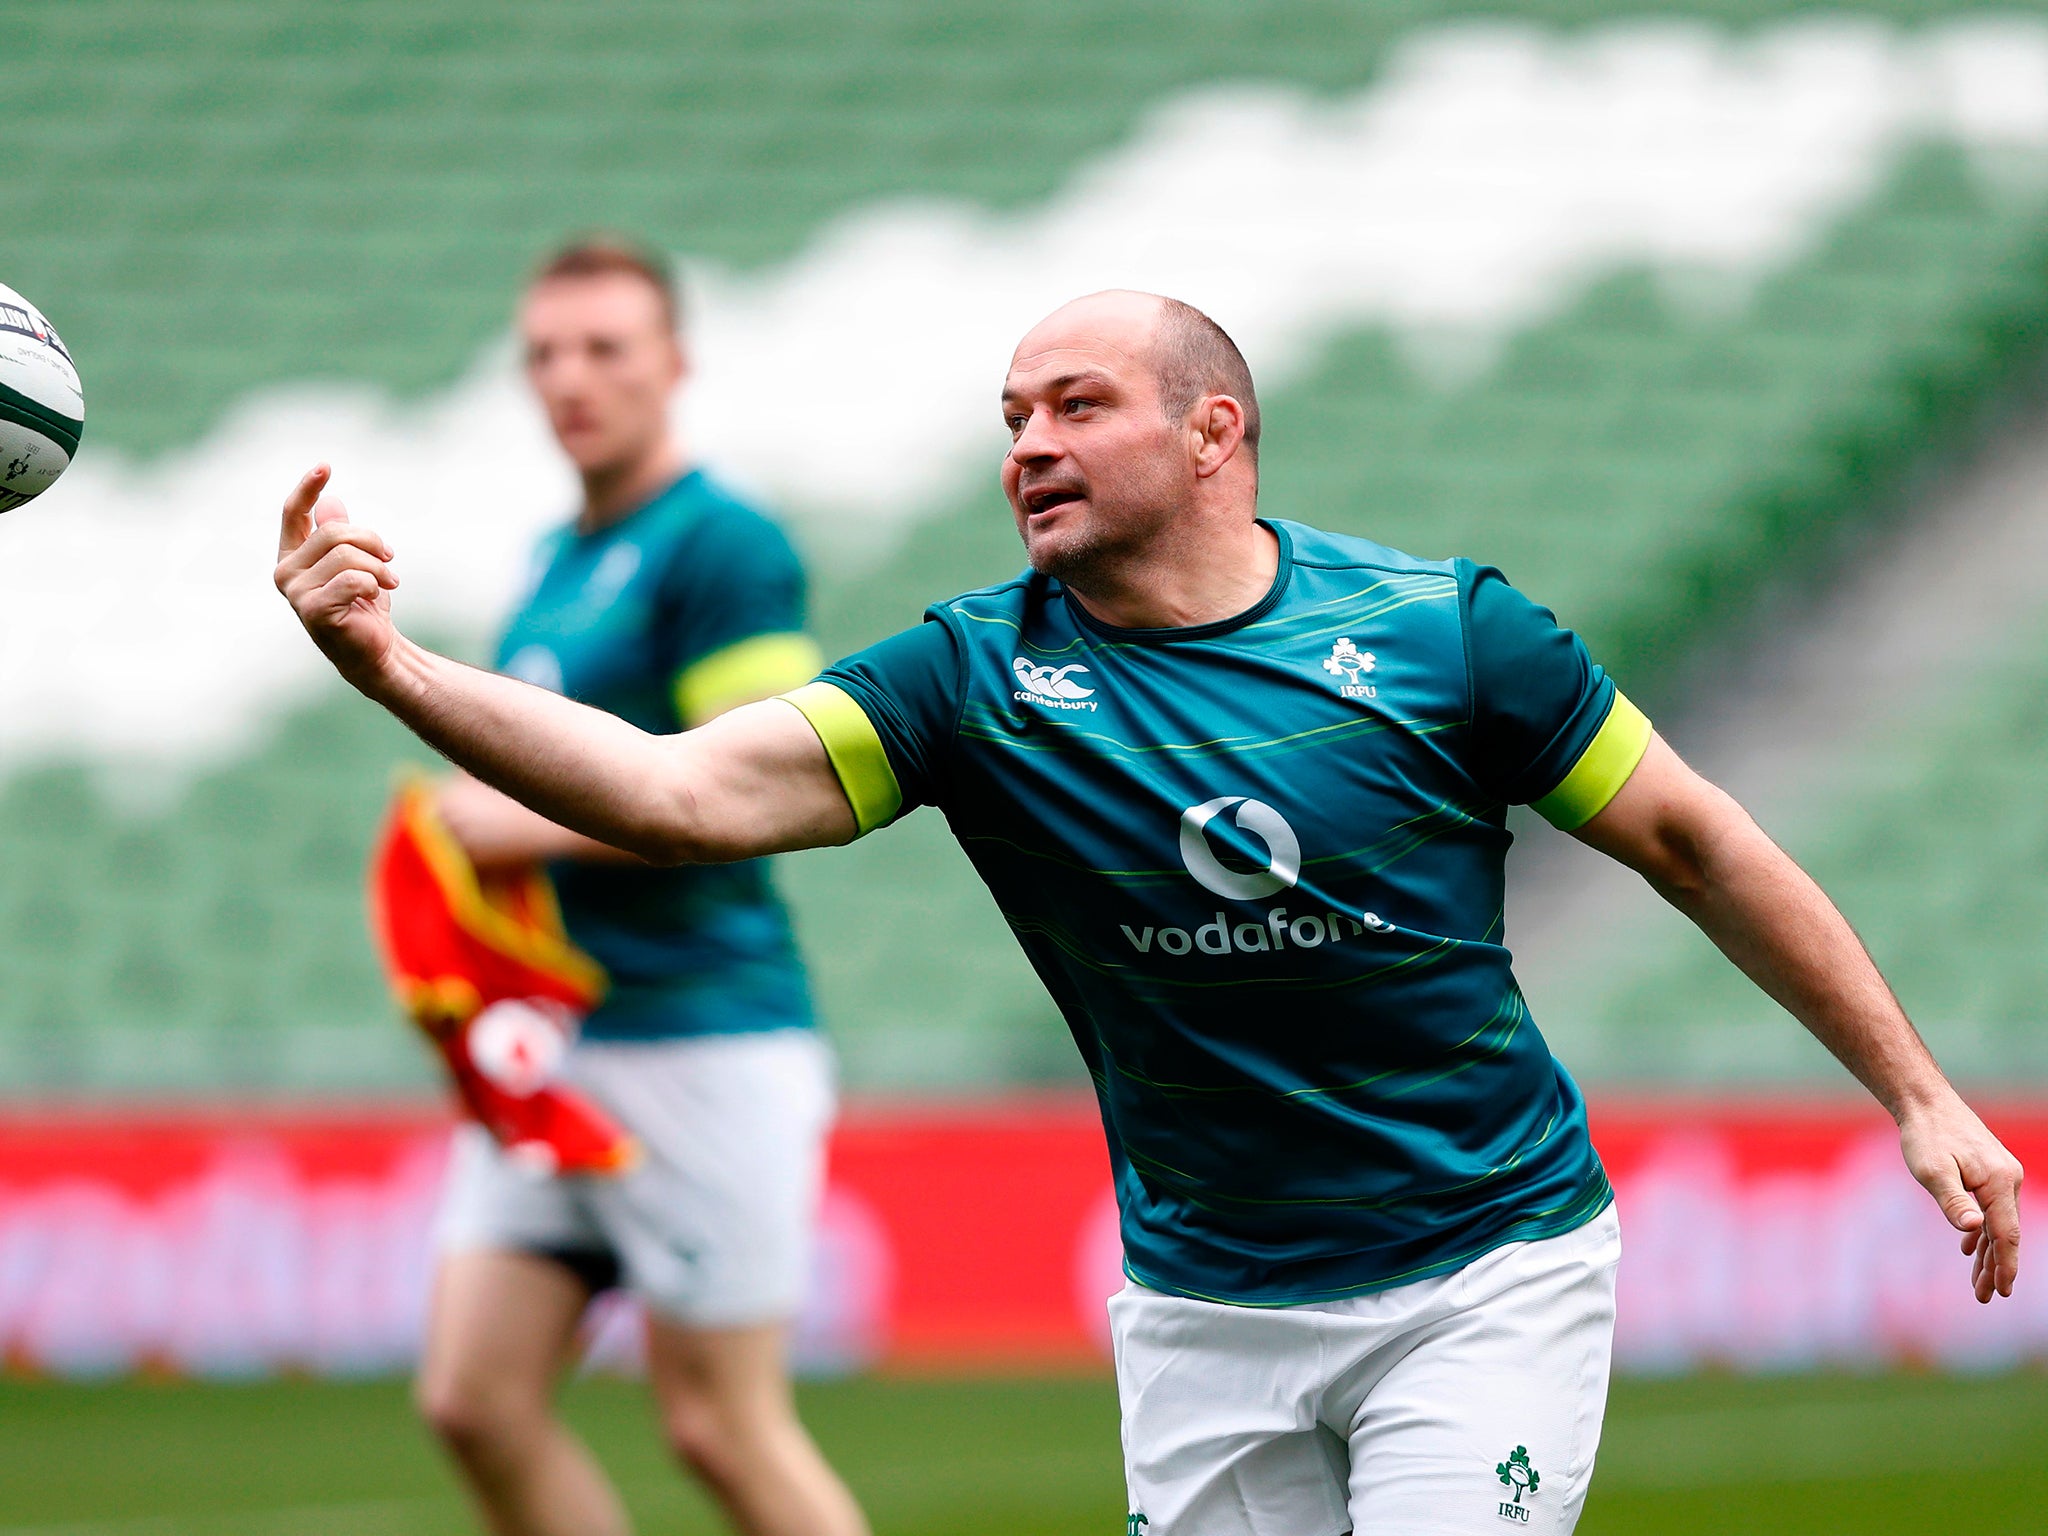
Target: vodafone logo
1283, 849
1274, 931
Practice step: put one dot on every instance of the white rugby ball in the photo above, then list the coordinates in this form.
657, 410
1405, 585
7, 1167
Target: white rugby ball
42, 407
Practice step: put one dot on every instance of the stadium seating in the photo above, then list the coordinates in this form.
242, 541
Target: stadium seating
1646, 467
255, 192
1932, 838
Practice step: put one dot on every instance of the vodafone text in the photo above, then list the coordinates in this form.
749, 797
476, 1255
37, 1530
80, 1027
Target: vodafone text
1220, 936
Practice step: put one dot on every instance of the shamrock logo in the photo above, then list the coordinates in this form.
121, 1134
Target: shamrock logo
1516, 1473
1347, 661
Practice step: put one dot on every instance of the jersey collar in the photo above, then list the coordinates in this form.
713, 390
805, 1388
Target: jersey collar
1169, 634
626, 519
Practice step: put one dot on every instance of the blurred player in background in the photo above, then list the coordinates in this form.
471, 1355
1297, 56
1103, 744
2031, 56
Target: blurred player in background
1240, 788
666, 602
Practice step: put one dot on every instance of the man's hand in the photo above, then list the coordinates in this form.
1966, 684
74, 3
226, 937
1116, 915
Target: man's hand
754, 781
1974, 1180
338, 579
1706, 857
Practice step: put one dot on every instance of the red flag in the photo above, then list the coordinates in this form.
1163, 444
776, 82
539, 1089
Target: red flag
483, 965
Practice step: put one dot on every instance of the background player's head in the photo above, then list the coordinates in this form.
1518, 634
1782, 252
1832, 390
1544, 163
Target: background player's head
1132, 420
599, 323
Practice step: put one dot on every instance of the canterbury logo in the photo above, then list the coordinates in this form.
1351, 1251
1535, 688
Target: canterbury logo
1051, 682
1054, 686
1261, 821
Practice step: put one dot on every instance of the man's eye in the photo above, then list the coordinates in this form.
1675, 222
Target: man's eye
1076, 405
1014, 423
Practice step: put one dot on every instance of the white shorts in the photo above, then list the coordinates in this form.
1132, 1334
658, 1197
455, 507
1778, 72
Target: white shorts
1470, 1403
713, 1227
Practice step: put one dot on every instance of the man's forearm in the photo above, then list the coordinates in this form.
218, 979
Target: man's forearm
1706, 856
496, 830
1770, 917
579, 767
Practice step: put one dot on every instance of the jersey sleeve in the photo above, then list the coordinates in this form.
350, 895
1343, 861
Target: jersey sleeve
887, 716
1549, 728
734, 618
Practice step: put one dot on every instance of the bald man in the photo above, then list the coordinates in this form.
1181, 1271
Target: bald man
1240, 788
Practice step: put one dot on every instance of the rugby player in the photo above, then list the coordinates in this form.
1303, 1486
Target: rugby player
1239, 787
667, 601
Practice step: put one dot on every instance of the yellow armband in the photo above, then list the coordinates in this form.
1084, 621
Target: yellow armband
1596, 778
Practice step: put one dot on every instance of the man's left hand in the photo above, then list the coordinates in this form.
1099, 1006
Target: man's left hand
1974, 1180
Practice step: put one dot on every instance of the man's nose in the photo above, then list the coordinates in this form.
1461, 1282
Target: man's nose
568, 386
1036, 440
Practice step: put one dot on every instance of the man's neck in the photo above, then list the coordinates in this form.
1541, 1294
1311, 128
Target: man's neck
1215, 575
610, 493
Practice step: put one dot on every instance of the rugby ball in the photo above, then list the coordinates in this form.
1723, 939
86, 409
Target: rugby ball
42, 408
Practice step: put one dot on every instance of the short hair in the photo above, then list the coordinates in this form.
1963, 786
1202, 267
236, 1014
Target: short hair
613, 255
1196, 357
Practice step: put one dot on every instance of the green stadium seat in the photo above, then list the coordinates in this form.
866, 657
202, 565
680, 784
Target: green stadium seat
208, 200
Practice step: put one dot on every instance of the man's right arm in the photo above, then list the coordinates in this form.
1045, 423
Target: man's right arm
755, 780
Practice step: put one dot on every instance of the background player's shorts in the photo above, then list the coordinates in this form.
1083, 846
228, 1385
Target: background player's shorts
713, 1228
1470, 1403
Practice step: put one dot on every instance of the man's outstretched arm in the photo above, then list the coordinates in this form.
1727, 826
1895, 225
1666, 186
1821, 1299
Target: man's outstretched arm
1707, 857
755, 780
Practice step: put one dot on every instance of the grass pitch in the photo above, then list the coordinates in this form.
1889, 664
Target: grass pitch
1875, 1455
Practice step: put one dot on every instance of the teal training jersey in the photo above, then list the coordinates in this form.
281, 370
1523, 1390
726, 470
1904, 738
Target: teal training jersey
679, 610
1259, 864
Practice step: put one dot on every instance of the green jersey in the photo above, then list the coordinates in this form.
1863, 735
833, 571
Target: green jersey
681, 609
1259, 864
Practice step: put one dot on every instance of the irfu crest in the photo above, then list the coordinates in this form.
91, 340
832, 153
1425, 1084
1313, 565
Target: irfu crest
1518, 1474
1350, 666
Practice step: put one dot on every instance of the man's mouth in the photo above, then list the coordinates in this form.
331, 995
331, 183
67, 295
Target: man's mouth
1048, 498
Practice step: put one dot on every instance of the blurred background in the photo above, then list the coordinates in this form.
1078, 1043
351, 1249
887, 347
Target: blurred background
1721, 326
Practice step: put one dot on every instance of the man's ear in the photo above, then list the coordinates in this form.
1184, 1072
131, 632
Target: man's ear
1217, 432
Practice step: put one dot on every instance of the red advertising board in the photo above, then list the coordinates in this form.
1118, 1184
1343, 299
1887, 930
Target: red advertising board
1763, 1233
